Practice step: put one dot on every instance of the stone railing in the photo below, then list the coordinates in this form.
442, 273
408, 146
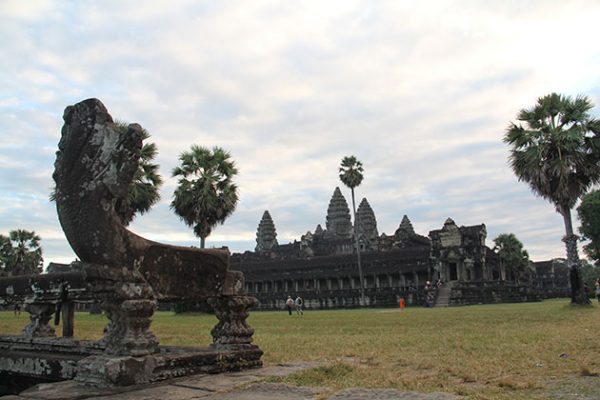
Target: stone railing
128, 303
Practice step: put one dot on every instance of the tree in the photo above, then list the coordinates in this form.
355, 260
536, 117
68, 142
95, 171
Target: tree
206, 194
20, 253
590, 274
557, 154
351, 175
143, 191
514, 259
6, 255
589, 215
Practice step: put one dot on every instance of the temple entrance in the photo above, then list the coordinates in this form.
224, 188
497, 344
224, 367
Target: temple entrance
453, 271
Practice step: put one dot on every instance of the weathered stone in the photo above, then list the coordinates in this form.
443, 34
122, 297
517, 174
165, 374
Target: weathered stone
339, 223
128, 331
160, 393
124, 272
232, 331
93, 169
216, 383
367, 225
266, 236
108, 370
269, 391
40, 315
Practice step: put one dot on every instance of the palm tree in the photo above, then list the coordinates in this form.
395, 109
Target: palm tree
143, 191
26, 253
557, 153
206, 194
513, 257
351, 175
6, 255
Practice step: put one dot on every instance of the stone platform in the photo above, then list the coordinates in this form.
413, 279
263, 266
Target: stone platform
244, 385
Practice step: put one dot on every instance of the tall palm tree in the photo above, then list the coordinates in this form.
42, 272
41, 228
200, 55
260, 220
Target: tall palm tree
143, 191
351, 175
27, 253
206, 194
557, 153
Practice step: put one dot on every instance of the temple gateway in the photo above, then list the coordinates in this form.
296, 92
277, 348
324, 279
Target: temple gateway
322, 267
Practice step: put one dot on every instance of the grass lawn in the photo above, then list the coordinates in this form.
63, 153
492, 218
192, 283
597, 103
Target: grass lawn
505, 351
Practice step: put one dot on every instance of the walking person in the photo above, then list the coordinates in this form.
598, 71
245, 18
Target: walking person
299, 303
289, 303
598, 290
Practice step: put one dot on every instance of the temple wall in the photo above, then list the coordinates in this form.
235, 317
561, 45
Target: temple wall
486, 292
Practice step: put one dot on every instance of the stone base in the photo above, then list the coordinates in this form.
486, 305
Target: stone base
61, 359
171, 362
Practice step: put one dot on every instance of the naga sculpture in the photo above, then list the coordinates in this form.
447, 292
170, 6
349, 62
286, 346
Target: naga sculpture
94, 167
124, 272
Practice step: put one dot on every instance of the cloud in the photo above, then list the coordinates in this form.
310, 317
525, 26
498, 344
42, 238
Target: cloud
421, 94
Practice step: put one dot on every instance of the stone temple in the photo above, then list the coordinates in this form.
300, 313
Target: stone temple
322, 266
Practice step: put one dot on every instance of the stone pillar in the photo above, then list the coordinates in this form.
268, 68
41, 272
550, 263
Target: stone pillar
39, 315
232, 331
128, 333
68, 316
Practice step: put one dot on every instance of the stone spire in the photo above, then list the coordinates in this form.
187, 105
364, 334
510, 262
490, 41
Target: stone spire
318, 230
266, 237
339, 223
367, 224
405, 229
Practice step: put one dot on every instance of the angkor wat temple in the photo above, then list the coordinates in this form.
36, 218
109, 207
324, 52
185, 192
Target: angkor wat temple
322, 267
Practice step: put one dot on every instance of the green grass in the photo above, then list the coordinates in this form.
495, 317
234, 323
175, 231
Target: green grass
505, 351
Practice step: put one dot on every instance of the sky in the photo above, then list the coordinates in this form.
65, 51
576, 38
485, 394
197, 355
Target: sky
420, 92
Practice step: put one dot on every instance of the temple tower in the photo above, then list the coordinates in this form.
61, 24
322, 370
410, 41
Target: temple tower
367, 224
339, 223
266, 236
405, 230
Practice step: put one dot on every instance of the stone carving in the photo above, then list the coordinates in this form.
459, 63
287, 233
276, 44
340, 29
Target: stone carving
40, 315
232, 331
94, 166
266, 236
339, 223
126, 273
128, 330
367, 224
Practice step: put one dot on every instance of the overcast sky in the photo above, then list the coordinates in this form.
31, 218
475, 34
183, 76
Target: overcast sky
420, 92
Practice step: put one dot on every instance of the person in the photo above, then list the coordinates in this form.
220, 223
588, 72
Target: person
428, 294
402, 303
299, 303
17, 309
289, 303
598, 290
